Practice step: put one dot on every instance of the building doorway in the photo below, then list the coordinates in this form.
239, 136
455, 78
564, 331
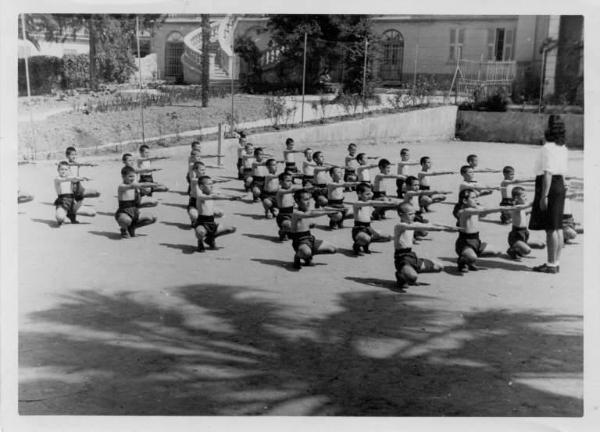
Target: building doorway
173, 51
393, 56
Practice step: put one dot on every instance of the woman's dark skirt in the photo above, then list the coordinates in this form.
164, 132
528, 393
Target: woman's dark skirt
551, 219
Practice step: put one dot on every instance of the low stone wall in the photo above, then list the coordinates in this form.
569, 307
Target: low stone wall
427, 124
514, 127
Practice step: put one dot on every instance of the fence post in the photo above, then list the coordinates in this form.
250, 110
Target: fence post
219, 145
365, 78
303, 77
137, 38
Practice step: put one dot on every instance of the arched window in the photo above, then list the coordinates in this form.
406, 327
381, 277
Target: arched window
393, 55
173, 51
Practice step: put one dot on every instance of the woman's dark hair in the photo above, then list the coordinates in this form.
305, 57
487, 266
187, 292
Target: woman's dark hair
555, 132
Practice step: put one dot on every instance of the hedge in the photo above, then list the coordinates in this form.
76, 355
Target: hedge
45, 74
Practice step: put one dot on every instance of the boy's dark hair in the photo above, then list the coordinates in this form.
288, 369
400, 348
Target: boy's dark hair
471, 157
144, 147
307, 149
404, 151
410, 180
284, 175
201, 179
257, 150
248, 143
362, 187
127, 170
270, 161
194, 143
462, 195
197, 164
61, 163
464, 168
360, 156
299, 193
242, 134
333, 168
352, 144
383, 163
289, 141
507, 169
517, 190
316, 154
125, 156
70, 150
424, 159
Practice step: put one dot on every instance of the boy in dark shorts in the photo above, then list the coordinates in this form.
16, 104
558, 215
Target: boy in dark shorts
319, 192
407, 264
412, 191
288, 156
404, 162
66, 205
128, 215
285, 203
79, 192
473, 162
468, 246
270, 188
206, 229
304, 243
350, 164
518, 238
247, 161
362, 170
423, 176
144, 163
335, 197
362, 232
379, 191
505, 189
240, 151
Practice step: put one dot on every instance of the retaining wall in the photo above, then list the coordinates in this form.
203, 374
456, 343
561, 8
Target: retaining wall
430, 123
514, 127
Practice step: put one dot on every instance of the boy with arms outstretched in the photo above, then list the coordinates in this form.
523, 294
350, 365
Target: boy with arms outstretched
506, 191
473, 162
468, 246
285, 203
66, 205
518, 237
288, 156
304, 243
407, 264
335, 197
128, 215
402, 171
207, 230
362, 232
144, 163
423, 176
379, 192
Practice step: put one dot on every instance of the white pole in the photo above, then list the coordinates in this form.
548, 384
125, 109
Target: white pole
303, 77
231, 63
137, 38
364, 89
33, 145
543, 72
415, 74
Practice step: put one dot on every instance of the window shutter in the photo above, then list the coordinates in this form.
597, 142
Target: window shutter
452, 36
508, 40
491, 36
452, 55
461, 36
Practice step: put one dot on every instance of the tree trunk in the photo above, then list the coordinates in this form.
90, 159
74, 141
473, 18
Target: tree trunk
205, 58
92, 38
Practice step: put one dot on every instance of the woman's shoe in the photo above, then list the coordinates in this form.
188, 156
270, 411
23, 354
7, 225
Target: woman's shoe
545, 268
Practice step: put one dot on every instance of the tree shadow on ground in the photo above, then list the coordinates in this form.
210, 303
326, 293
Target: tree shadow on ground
222, 350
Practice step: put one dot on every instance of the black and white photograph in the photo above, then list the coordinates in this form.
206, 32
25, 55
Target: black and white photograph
314, 213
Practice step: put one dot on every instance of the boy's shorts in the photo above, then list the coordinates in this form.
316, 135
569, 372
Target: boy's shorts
283, 215
308, 179
67, 202
78, 191
303, 238
568, 221
518, 234
258, 182
406, 256
291, 167
209, 224
470, 240
269, 196
507, 202
319, 191
349, 175
362, 227
128, 208
338, 204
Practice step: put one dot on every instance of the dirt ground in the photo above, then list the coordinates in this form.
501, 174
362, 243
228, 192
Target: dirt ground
147, 326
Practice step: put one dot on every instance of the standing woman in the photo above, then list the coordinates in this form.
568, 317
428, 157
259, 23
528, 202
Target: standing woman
549, 200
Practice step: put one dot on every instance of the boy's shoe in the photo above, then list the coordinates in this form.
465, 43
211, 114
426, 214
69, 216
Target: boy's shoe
462, 267
268, 215
125, 234
282, 235
356, 249
210, 242
309, 262
131, 230
297, 263
340, 224
200, 247
473, 267
73, 219
545, 268
366, 249
512, 254
332, 225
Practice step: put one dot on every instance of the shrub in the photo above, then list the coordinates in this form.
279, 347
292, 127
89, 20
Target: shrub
45, 74
76, 70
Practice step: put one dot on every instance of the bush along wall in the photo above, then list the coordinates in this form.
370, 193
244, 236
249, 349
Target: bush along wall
76, 70
45, 74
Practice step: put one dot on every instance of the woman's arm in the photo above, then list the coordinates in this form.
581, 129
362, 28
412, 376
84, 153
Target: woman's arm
546, 181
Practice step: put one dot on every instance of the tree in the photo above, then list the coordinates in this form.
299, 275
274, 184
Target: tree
111, 38
205, 58
331, 39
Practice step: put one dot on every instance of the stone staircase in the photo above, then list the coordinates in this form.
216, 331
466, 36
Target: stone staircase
221, 57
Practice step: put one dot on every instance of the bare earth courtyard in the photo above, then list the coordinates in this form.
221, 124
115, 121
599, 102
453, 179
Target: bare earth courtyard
146, 326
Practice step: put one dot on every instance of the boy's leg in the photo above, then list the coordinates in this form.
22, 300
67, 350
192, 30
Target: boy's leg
304, 252
86, 211
284, 229
148, 202
124, 222
380, 238
519, 248
487, 250
335, 219
200, 235
362, 239
90, 193
466, 259
255, 193
61, 215
427, 265
569, 234
323, 247
143, 220
406, 275
224, 230
193, 213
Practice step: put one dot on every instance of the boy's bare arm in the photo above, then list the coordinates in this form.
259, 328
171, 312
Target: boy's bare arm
427, 227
